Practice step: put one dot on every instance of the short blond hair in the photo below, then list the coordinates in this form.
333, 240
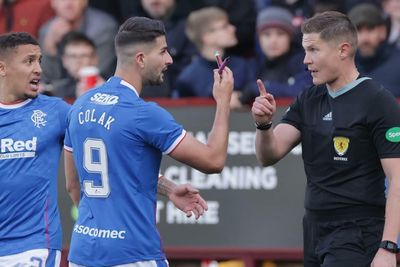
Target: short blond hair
332, 26
200, 22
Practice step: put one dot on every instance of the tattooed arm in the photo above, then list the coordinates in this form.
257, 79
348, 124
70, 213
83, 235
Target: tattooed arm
185, 197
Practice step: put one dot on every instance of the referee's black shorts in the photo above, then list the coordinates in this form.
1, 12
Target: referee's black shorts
336, 242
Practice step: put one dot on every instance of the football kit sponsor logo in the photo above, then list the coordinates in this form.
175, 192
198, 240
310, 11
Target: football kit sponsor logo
104, 99
341, 145
12, 149
96, 232
393, 135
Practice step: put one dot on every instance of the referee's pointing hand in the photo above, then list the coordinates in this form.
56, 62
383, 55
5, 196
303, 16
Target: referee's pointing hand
264, 105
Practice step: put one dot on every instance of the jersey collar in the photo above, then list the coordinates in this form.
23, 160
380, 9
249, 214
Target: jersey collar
130, 86
347, 87
122, 82
14, 106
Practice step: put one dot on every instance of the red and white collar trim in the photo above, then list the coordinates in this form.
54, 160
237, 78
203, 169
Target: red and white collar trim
14, 106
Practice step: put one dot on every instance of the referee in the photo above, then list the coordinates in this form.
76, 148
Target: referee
349, 128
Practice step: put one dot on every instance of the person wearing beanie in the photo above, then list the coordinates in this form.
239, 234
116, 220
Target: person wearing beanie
210, 30
375, 58
275, 16
280, 64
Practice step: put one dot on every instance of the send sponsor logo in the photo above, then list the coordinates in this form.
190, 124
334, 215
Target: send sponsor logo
393, 135
104, 99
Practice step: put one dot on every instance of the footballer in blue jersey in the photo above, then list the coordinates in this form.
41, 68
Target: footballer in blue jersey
32, 129
118, 138
114, 144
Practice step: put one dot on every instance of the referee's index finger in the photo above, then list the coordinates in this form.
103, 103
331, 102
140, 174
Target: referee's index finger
261, 88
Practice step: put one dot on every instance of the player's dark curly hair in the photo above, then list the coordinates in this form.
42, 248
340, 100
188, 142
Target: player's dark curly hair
138, 30
12, 40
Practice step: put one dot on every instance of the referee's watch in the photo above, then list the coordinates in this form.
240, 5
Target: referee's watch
263, 126
389, 246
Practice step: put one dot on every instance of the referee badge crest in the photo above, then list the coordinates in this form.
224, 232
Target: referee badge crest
38, 118
341, 144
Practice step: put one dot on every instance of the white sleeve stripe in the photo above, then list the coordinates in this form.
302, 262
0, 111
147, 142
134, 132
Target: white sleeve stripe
70, 149
175, 143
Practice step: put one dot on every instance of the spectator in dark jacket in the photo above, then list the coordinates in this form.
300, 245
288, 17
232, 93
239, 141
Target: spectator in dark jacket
179, 47
375, 58
281, 64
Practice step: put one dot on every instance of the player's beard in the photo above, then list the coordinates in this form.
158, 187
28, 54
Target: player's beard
155, 80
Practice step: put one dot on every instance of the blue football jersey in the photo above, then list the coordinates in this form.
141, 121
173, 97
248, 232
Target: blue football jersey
31, 138
117, 140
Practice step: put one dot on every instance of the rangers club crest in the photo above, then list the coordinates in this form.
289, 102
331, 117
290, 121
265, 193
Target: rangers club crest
38, 118
341, 145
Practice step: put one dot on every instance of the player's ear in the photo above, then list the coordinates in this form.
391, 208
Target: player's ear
140, 59
345, 50
3, 68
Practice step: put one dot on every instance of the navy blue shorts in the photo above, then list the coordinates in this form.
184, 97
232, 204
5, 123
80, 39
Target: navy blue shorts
341, 243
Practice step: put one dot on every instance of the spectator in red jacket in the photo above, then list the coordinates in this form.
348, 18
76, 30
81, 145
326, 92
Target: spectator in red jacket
24, 15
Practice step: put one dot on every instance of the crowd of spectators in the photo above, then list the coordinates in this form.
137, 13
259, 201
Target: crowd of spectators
261, 38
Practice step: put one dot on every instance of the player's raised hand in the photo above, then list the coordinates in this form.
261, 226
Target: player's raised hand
264, 105
187, 198
223, 85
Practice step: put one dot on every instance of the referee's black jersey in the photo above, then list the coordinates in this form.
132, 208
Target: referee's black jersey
344, 134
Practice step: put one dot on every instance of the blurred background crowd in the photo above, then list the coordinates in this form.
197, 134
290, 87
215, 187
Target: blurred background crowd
261, 37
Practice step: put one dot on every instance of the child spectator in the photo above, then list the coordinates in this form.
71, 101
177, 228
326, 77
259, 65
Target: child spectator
75, 15
281, 64
209, 29
77, 51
